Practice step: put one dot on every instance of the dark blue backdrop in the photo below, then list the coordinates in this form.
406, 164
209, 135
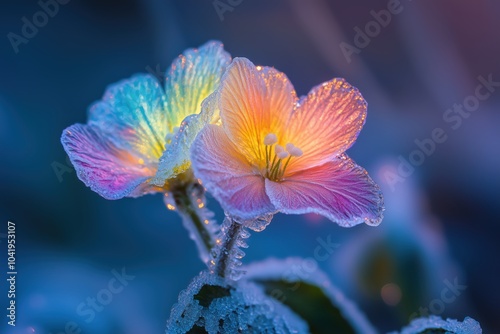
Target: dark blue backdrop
411, 68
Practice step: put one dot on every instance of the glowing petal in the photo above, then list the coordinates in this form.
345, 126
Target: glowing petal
210, 108
326, 123
253, 103
227, 175
132, 115
175, 159
339, 190
108, 170
279, 100
193, 76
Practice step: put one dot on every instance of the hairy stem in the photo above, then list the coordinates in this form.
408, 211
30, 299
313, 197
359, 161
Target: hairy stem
227, 255
223, 264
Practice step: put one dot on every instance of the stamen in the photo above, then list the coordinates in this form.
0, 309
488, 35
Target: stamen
293, 150
270, 139
275, 169
268, 148
278, 149
272, 164
296, 152
286, 165
282, 154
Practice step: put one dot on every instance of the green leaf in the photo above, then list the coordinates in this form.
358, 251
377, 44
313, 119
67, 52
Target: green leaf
309, 294
311, 304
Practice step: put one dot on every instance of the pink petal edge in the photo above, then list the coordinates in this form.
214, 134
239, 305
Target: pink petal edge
340, 190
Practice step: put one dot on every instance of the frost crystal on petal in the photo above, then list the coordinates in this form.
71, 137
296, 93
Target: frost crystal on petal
213, 305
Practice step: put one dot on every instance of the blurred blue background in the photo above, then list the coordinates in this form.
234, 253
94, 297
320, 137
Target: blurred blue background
442, 221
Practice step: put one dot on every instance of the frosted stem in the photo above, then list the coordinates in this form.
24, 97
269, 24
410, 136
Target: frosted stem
189, 202
225, 262
232, 237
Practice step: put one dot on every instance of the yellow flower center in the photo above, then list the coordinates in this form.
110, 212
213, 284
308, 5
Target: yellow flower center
276, 164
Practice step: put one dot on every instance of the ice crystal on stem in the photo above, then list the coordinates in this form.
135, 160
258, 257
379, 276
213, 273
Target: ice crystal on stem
188, 199
226, 257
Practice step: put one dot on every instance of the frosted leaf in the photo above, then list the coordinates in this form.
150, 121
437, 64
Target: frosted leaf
300, 285
212, 305
435, 324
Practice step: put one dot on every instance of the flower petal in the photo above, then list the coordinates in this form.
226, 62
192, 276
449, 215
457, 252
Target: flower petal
326, 123
192, 77
132, 115
108, 170
227, 175
339, 190
280, 98
254, 101
175, 160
